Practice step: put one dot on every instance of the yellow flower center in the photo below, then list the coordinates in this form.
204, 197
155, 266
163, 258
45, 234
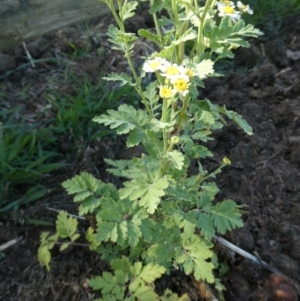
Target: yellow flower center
189, 73
171, 70
181, 84
154, 65
244, 8
174, 139
229, 10
165, 92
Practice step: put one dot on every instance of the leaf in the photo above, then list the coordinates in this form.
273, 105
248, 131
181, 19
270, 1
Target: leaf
151, 272
206, 226
226, 216
106, 231
134, 234
207, 195
145, 33
195, 255
169, 296
128, 9
186, 37
64, 246
81, 183
176, 158
66, 226
44, 256
204, 68
145, 293
124, 120
110, 285
147, 192
238, 119
122, 77
207, 117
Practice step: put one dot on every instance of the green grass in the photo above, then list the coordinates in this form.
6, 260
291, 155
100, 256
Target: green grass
270, 14
24, 159
74, 112
29, 152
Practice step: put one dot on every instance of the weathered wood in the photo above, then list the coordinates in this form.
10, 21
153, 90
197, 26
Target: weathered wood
23, 19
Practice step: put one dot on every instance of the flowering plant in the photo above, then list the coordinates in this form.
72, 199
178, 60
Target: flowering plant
164, 217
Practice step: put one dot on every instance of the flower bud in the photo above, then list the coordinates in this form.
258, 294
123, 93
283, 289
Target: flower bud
226, 161
174, 140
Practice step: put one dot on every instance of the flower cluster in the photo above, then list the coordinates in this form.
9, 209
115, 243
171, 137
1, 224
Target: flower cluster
227, 8
176, 79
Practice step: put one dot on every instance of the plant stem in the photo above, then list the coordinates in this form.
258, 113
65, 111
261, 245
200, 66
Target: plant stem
200, 42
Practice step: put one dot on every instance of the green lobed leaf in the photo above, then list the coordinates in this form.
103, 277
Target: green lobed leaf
128, 9
207, 117
44, 256
125, 119
176, 158
238, 119
195, 256
226, 216
122, 77
66, 226
145, 33
147, 192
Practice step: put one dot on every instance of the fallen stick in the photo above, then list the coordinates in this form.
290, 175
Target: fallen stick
247, 255
10, 243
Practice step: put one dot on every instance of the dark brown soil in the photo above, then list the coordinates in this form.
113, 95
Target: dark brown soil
263, 86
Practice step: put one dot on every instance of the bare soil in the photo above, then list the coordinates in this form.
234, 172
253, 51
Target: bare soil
263, 85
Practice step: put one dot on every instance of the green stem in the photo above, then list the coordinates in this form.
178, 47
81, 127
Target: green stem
157, 26
182, 115
138, 88
118, 20
164, 119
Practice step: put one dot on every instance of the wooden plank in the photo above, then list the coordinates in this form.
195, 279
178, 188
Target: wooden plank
24, 19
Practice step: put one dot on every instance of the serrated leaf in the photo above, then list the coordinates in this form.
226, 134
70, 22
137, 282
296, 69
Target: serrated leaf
66, 226
124, 120
64, 246
44, 257
128, 9
122, 263
207, 117
176, 158
151, 272
81, 183
170, 296
105, 231
134, 234
148, 193
226, 216
145, 33
186, 37
238, 119
110, 285
75, 236
195, 256
204, 68
207, 195
145, 293
206, 226
122, 77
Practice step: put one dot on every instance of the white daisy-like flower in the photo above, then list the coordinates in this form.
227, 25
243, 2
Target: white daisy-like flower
225, 3
230, 12
181, 84
244, 8
165, 92
154, 65
172, 70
